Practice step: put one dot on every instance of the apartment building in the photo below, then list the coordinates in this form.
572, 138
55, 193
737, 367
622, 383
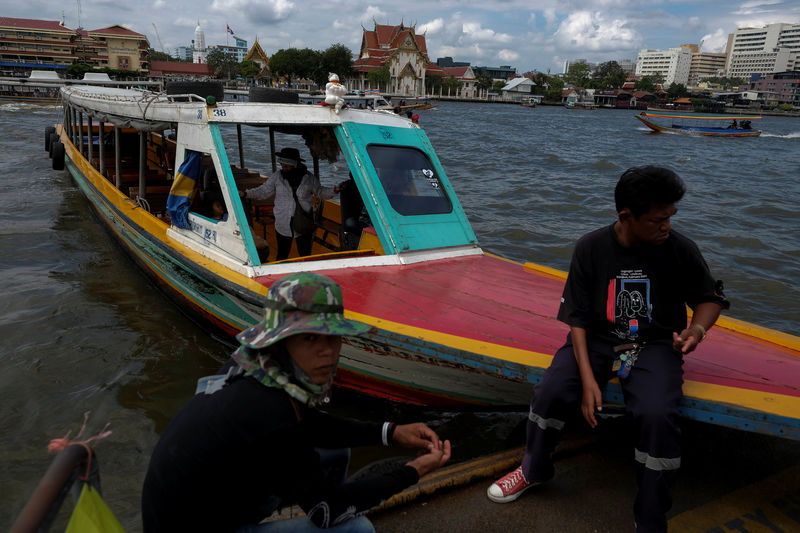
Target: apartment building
706, 65
672, 64
28, 44
765, 50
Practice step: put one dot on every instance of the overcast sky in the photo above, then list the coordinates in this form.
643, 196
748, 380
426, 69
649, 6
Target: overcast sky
483, 32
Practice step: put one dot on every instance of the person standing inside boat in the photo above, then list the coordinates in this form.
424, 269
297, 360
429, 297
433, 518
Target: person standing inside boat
235, 454
625, 303
294, 188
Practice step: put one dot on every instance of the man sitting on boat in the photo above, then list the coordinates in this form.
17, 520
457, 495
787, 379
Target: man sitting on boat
625, 302
733, 125
294, 188
234, 454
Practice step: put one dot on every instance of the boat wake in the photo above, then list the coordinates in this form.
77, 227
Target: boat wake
793, 135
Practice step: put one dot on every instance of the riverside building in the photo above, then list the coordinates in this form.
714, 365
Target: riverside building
769, 49
30, 44
673, 64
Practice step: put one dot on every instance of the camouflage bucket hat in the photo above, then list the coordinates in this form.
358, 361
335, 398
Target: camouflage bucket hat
301, 303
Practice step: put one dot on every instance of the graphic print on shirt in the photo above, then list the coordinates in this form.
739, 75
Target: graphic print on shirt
628, 303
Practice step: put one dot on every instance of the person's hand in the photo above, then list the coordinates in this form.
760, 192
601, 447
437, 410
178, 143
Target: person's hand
416, 435
687, 341
432, 458
243, 194
592, 400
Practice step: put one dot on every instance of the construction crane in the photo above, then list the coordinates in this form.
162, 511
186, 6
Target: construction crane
159, 38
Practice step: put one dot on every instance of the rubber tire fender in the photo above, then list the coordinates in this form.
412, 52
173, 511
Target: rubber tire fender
58, 155
272, 95
47, 131
200, 88
53, 140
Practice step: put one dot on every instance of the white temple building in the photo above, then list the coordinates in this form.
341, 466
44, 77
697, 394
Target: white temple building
199, 50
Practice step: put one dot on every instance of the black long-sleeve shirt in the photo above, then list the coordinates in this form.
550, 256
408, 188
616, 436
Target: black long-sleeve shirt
225, 454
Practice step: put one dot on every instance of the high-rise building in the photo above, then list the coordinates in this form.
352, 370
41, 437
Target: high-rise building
706, 65
771, 48
184, 53
672, 64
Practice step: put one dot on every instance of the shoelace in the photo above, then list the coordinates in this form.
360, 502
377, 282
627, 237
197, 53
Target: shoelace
512, 480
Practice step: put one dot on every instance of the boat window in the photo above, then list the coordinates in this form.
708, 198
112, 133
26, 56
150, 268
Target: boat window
410, 180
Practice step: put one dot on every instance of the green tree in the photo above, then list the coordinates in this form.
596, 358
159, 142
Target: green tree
285, 63
498, 85
336, 58
609, 75
648, 82
249, 68
309, 66
155, 55
77, 70
433, 83
222, 64
579, 74
677, 90
380, 77
451, 85
554, 87
483, 81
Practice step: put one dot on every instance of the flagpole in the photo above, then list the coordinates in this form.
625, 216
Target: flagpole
227, 34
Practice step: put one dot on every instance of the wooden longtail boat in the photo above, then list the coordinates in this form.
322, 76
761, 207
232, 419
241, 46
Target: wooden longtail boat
695, 125
454, 325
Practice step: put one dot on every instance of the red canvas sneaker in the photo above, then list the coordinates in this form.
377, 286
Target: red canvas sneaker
509, 487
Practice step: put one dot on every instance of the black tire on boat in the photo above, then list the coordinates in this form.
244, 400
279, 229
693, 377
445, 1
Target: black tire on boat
275, 96
53, 139
200, 88
47, 131
58, 155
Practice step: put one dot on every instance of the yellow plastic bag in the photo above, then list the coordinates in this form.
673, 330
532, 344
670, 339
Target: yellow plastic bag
92, 515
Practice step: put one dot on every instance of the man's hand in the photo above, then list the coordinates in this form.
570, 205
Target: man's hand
416, 435
592, 400
687, 341
431, 459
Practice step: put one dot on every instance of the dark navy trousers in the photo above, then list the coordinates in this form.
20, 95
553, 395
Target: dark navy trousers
651, 391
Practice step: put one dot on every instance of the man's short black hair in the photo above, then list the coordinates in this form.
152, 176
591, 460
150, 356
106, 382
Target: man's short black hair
640, 188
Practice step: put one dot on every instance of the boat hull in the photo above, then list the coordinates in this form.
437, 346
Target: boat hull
698, 131
450, 330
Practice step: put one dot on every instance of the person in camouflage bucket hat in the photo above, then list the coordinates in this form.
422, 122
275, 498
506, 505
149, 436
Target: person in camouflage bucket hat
301, 303
258, 440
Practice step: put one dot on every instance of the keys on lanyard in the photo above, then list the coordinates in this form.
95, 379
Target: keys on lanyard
627, 354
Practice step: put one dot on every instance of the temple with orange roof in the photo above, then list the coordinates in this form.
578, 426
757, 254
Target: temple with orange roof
403, 50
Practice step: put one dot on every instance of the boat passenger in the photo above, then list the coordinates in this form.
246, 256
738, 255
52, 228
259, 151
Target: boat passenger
733, 125
294, 188
233, 456
625, 303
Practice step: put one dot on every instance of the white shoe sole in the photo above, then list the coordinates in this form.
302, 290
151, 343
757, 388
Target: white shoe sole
510, 497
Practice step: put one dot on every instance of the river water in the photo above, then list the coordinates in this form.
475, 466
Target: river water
82, 330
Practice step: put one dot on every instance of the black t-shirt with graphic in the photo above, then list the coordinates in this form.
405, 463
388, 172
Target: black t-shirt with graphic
637, 293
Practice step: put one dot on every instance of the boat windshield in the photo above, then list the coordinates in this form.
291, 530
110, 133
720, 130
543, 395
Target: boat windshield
410, 180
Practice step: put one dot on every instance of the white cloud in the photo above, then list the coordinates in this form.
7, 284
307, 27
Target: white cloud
158, 4
714, 42
550, 17
508, 55
585, 31
431, 28
258, 11
474, 32
373, 13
